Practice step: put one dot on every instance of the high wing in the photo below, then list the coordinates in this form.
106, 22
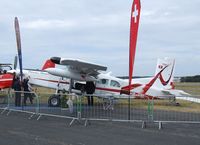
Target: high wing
83, 67
5, 64
80, 68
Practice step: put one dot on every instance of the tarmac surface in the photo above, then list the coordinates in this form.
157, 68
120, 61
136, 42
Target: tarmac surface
17, 129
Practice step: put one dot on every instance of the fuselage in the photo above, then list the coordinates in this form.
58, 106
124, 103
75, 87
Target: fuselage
6, 80
105, 84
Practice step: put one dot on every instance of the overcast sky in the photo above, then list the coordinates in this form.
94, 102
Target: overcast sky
98, 31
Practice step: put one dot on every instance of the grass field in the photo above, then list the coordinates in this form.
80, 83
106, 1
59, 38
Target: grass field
185, 106
191, 88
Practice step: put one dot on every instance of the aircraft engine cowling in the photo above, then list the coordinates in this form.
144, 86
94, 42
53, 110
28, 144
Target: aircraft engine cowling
55, 60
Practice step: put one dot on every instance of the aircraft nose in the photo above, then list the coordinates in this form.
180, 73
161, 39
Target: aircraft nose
56, 60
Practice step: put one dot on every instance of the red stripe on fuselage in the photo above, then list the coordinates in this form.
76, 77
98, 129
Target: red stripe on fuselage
108, 89
133, 86
53, 81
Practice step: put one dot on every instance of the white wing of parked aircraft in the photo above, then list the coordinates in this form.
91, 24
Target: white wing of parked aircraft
76, 69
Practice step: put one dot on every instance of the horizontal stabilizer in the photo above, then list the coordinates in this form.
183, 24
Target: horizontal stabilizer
175, 92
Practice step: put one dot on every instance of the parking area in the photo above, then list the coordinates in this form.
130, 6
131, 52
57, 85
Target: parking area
19, 130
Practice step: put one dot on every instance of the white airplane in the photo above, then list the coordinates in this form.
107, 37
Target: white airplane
90, 81
161, 85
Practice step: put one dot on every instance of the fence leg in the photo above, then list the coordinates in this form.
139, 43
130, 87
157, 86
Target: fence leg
4, 110
39, 117
31, 116
8, 112
72, 121
160, 125
143, 124
86, 122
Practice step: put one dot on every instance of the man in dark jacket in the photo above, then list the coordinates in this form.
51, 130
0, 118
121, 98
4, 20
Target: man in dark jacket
17, 87
27, 93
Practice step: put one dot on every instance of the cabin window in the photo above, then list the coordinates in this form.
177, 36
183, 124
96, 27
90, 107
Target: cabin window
114, 83
103, 81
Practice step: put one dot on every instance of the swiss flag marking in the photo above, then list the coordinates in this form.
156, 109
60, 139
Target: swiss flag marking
135, 13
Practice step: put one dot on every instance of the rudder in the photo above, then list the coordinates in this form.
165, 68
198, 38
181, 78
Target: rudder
48, 64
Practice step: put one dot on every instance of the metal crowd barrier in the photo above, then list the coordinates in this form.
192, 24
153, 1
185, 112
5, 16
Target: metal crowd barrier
87, 108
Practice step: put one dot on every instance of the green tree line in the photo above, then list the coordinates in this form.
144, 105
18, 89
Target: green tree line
191, 79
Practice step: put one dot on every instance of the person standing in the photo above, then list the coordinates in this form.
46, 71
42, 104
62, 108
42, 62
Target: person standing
17, 87
27, 90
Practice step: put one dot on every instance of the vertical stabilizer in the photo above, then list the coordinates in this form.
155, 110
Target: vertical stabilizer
48, 64
165, 71
163, 77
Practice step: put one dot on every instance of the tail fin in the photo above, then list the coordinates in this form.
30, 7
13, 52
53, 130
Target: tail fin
48, 64
164, 75
165, 70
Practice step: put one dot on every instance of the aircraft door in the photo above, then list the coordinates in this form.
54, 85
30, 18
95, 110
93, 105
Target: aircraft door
101, 86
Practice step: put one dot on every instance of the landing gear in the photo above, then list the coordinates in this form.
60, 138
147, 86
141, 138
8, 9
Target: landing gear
172, 100
54, 101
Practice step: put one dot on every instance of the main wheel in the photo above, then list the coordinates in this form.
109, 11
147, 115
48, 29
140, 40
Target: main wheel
54, 101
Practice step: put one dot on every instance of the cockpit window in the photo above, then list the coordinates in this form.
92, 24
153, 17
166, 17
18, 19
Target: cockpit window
114, 83
103, 81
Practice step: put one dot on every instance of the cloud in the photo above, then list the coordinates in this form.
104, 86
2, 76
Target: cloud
49, 24
98, 31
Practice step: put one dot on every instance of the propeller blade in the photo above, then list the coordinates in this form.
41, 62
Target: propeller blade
15, 63
18, 39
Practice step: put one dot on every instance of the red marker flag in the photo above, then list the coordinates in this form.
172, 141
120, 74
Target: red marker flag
134, 24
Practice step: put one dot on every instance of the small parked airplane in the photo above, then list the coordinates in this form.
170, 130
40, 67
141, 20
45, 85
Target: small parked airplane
5, 78
161, 85
37, 76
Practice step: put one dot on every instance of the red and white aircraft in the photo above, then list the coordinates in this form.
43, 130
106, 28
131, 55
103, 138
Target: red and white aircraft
5, 78
7, 74
161, 85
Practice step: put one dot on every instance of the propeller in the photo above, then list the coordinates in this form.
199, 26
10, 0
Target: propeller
15, 63
18, 39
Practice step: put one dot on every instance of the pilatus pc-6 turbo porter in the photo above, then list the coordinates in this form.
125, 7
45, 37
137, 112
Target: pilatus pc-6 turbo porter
161, 85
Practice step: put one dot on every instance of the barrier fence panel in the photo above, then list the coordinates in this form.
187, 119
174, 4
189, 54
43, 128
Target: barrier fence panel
186, 109
39, 104
151, 110
102, 108
115, 108
140, 109
59, 105
23, 101
3, 99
